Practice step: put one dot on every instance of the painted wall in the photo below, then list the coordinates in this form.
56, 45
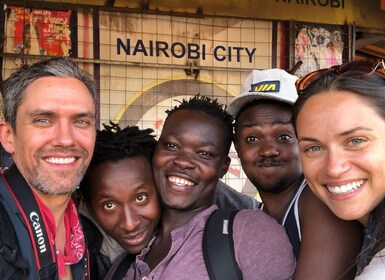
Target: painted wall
145, 62
362, 13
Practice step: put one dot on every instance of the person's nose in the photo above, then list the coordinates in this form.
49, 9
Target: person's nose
64, 134
336, 163
130, 220
267, 148
184, 160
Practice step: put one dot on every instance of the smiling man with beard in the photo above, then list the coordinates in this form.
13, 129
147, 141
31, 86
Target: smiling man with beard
49, 129
325, 246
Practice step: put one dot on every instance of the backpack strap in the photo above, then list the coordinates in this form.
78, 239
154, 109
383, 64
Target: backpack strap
123, 266
218, 246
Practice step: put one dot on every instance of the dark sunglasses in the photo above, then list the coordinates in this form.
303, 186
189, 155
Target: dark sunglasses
367, 66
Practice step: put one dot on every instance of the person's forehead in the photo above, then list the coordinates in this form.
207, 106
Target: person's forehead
51, 82
48, 91
192, 118
131, 172
277, 111
193, 126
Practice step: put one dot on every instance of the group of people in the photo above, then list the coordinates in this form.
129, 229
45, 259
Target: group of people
115, 203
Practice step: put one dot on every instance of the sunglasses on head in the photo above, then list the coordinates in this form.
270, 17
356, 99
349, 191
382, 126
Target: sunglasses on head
367, 66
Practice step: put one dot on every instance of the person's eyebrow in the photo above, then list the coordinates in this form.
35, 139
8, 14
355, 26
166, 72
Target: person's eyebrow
43, 112
353, 130
342, 134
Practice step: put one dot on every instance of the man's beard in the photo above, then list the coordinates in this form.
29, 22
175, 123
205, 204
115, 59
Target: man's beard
56, 182
65, 183
276, 188
279, 185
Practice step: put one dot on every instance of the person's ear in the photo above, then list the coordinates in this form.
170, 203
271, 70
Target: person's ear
7, 137
225, 167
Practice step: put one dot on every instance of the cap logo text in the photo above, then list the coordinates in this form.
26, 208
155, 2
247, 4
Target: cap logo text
265, 86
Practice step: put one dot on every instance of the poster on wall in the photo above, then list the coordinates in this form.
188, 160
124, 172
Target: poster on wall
318, 46
36, 32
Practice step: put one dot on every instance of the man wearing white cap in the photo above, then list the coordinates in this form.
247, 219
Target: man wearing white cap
265, 140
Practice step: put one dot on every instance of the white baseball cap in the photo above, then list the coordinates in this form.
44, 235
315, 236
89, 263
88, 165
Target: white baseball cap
275, 84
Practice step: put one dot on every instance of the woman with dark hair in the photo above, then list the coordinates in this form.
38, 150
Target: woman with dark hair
340, 123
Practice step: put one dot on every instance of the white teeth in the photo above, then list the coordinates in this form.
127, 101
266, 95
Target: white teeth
180, 181
60, 160
345, 189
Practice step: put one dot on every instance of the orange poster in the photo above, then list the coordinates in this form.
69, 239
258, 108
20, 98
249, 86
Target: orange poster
37, 32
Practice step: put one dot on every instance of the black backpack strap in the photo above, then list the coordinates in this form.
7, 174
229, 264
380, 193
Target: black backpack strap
124, 265
292, 231
218, 246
